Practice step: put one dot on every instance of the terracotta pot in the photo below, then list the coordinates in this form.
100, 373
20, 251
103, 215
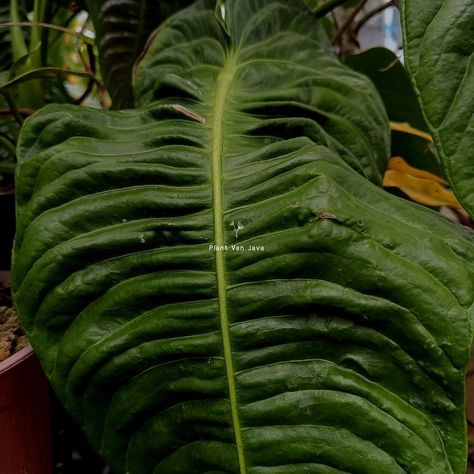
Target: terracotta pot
470, 413
25, 421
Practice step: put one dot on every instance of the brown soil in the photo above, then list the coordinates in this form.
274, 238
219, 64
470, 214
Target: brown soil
12, 337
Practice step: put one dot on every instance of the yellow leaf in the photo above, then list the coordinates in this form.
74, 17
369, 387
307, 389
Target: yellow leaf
405, 127
421, 190
72, 79
397, 163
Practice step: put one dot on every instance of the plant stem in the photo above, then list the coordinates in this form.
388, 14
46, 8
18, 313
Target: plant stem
86, 93
6, 143
35, 62
462, 218
91, 67
19, 48
42, 73
21, 110
346, 25
35, 39
370, 15
13, 106
27, 24
30, 95
327, 7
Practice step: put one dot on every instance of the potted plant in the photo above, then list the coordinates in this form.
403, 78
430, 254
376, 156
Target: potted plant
214, 278
25, 425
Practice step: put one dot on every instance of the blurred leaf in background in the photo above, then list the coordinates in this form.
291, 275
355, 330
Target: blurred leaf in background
40, 42
391, 79
122, 30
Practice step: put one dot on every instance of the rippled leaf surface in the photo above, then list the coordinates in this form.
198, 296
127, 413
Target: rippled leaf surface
214, 285
439, 49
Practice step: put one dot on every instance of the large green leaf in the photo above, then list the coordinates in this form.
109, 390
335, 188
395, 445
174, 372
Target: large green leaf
439, 50
331, 336
122, 28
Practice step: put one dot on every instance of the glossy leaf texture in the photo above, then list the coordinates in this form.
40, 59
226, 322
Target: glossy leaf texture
439, 50
213, 289
122, 29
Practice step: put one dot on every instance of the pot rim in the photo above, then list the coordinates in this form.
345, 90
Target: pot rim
15, 359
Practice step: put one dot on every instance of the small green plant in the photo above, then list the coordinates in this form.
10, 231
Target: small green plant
215, 280
35, 61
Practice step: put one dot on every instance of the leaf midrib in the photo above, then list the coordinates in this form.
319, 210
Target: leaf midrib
222, 87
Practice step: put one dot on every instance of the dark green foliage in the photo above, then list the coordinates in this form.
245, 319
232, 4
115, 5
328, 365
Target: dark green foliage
122, 29
5, 51
393, 84
439, 49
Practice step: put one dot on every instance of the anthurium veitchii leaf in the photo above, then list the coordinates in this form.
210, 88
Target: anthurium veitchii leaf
212, 281
122, 29
439, 51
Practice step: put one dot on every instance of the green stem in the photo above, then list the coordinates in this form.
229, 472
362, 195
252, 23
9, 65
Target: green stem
36, 91
19, 48
42, 73
35, 39
27, 95
6, 143
325, 8
49, 26
13, 105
